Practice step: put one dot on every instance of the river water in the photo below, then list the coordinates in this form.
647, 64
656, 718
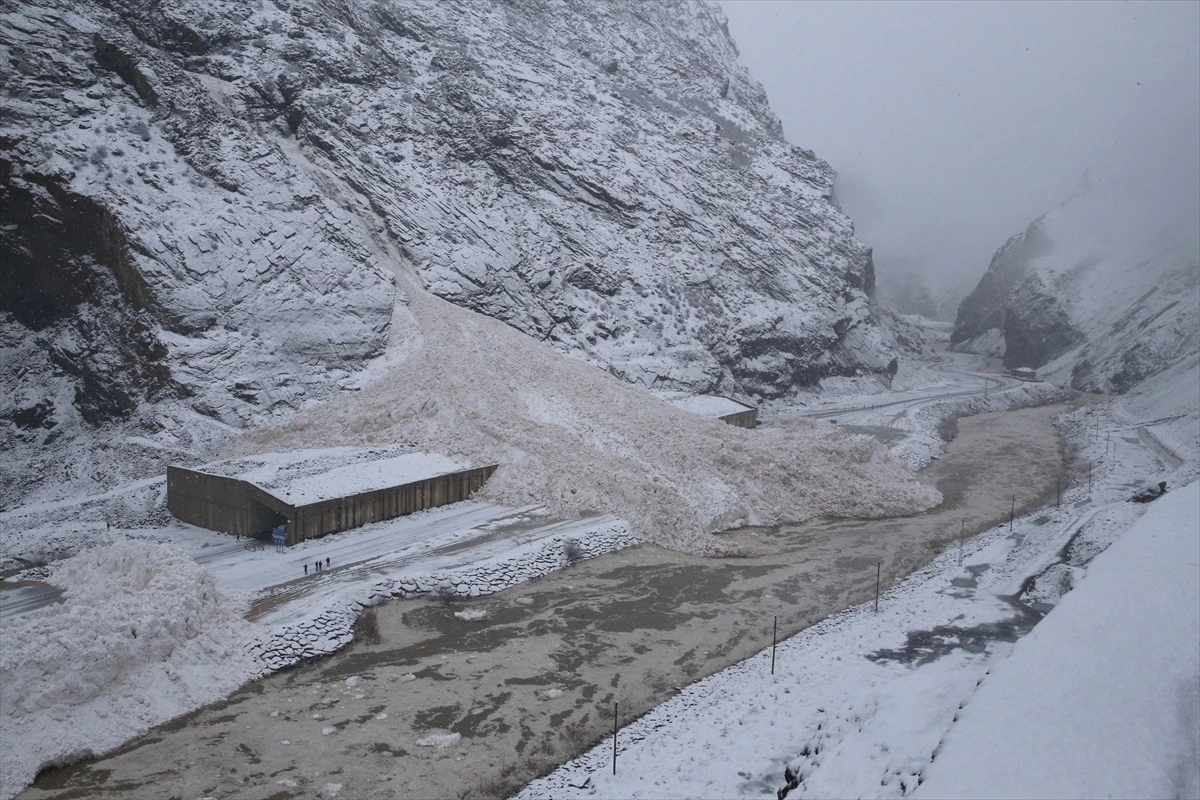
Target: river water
527, 678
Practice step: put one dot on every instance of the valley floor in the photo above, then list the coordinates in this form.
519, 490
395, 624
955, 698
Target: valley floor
510, 684
937, 694
481, 696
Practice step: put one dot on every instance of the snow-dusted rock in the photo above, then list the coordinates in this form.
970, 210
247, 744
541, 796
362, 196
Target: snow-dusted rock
1102, 292
193, 192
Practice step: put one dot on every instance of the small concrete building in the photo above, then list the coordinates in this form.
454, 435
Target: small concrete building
1023, 373
724, 408
313, 493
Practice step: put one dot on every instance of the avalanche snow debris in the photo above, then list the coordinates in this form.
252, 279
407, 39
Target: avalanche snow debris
205, 181
138, 620
568, 436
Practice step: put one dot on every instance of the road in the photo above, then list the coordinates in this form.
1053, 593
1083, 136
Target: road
465, 535
964, 380
448, 538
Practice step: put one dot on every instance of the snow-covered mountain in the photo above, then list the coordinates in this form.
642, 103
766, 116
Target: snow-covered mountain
1101, 293
190, 191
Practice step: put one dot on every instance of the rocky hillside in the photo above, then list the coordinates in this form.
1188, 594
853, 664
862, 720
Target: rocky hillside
192, 195
1101, 293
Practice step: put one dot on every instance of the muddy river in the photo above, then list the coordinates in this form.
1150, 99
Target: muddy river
511, 685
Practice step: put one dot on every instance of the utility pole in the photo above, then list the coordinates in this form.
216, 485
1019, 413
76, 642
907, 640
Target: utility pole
878, 569
961, 529
774, 635
614, 737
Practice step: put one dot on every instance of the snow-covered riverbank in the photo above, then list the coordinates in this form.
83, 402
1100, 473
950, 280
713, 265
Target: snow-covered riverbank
147, 631
870, 704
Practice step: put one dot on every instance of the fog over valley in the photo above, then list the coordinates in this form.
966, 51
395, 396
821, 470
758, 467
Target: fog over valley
552, 399
952, 126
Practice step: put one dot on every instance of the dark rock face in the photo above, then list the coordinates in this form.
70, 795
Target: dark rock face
1036, 327
1101, 294
1012, 299
69, 279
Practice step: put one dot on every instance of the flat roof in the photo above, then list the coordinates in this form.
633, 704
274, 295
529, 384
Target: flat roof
303, 477
710, 405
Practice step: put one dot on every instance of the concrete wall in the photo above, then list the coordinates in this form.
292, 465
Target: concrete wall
742, 419
231, 505
352, 511
222, 504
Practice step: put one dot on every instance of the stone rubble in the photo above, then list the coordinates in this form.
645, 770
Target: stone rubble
333, 628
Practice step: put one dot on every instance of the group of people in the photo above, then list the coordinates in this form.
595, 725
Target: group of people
316, 565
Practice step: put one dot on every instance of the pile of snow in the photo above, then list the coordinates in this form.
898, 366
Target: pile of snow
142, 635
1102, 699
440, 740
573, 438
471, 614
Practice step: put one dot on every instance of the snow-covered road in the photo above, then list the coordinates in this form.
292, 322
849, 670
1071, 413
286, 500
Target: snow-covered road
236, 566
288, 583
963, 377
476, 534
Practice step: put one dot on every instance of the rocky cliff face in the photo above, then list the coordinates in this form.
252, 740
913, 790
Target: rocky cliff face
191, 193
1102, 292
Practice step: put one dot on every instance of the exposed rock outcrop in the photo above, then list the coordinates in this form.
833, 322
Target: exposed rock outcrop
205, 182
1102, 292
70, 287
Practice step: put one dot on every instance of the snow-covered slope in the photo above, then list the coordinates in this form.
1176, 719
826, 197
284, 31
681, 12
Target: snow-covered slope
1102, 292
182, 188
576, 439
1101, 698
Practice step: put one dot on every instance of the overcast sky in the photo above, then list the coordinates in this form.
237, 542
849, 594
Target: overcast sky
954, 125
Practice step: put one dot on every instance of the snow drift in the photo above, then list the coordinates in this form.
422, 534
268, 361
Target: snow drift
1102, 698
578, 440
142, 635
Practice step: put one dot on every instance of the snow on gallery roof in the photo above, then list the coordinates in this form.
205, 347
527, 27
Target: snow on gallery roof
302, 477
709, 405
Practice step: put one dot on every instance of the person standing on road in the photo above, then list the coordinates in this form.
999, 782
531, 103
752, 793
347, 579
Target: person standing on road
327, 561
305, 567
